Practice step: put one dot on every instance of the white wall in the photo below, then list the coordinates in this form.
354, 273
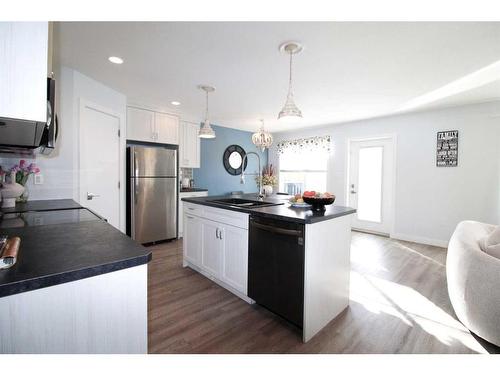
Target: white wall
429, 201
61, 168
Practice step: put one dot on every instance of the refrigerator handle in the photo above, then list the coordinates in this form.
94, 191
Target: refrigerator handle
136, 180
136, 167
132, 209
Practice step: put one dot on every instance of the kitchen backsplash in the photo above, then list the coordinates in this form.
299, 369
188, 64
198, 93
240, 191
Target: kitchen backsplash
187, 172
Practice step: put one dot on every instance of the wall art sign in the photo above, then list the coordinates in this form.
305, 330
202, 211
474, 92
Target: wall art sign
447, 149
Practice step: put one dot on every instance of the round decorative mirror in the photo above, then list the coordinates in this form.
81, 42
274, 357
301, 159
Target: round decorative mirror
233, 158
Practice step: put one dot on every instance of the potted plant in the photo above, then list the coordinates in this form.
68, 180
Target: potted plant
268, 179
22, 172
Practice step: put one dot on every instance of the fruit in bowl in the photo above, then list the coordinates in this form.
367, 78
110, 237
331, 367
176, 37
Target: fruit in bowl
297, 198
318, 200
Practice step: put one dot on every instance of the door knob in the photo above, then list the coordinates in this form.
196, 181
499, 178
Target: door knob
90, 196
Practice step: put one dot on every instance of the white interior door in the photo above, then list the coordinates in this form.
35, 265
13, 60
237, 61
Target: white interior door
100, 161
371, 184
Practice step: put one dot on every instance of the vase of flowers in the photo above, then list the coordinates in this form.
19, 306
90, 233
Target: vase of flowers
268, 179
22, 172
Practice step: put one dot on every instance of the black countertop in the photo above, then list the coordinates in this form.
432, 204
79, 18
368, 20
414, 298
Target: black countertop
42, 205
59, 253
280, 212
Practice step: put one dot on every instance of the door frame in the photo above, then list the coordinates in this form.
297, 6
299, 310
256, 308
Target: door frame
84, 103
394, 140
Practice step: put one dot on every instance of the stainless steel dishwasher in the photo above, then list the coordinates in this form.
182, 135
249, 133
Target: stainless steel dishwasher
276, 267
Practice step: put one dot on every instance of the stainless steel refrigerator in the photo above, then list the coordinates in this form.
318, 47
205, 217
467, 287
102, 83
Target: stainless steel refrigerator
152, 193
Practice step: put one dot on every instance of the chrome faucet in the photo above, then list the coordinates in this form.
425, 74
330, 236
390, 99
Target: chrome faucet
242, 178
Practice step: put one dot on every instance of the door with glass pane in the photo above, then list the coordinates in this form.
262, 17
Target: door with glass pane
370, 184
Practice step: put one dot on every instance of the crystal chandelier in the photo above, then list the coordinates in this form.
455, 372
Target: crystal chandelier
290, 109
206, 130
262, 139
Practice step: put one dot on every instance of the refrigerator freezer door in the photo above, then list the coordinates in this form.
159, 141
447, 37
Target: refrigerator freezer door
153, 162
154, 209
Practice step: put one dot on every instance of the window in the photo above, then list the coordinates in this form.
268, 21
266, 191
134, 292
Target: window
301, 171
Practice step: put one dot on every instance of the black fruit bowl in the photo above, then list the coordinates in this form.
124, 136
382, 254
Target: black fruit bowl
318, 204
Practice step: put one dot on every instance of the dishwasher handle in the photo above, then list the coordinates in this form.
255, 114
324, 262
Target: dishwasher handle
286, 232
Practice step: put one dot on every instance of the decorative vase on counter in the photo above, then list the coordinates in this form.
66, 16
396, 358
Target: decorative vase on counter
268, 189
11, 191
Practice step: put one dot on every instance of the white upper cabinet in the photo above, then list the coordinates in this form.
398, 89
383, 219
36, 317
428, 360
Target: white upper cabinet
167, 128
149, 126
189, 145
23, 70
140, 124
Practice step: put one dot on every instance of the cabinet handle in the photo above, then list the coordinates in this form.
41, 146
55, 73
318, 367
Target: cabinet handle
189, 217
216, 232
220, 234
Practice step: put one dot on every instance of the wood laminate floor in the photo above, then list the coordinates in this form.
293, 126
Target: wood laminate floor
399, 304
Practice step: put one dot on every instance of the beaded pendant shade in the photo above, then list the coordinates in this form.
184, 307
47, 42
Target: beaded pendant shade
262, 139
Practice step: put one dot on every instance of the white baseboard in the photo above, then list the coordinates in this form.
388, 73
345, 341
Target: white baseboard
421, 240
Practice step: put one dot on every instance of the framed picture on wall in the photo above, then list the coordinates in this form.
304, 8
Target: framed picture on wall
447, 149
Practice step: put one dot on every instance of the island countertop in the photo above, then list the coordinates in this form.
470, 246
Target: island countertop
42, 205
60, 253
282, 211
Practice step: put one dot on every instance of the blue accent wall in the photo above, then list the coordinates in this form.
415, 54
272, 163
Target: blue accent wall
212, 175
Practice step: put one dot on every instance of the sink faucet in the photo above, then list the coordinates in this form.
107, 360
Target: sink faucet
242, 178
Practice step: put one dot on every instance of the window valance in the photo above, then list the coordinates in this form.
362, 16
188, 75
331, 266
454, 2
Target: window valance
321, 143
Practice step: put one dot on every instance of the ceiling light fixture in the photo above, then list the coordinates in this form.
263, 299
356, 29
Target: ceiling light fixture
206, 130
115, 60
290, 109
176, 103
262, 139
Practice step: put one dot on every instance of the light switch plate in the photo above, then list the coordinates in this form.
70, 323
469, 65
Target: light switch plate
38, 179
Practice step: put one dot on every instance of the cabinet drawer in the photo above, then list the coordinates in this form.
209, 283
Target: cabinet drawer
236, 219
193, 194
193, 209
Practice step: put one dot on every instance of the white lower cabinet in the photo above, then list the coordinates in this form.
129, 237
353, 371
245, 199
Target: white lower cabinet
181, 206
192, 240
211, 248
217, 249
235, 257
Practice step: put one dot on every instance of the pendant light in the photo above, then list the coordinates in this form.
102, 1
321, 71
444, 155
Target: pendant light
206, 130
262, 139
290, 109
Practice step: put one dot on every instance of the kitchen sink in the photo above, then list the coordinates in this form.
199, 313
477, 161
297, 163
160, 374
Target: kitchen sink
243, 203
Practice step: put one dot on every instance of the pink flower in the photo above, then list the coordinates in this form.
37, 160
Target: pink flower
36, 170
22, 163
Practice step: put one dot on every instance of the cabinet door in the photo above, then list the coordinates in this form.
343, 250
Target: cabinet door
140, 125
189, 145
235, 257
167, 128
183, 157
23, 73
193, 145
211, 257
192, 245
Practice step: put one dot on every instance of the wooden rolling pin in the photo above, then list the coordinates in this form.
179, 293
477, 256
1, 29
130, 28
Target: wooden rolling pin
9, 254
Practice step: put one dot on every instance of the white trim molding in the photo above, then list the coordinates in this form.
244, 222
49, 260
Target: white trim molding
420, 240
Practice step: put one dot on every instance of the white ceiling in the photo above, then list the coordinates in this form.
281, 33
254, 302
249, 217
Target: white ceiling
347, 71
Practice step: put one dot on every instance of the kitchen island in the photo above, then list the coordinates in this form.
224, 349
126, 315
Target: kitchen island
293, 261
79, 284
